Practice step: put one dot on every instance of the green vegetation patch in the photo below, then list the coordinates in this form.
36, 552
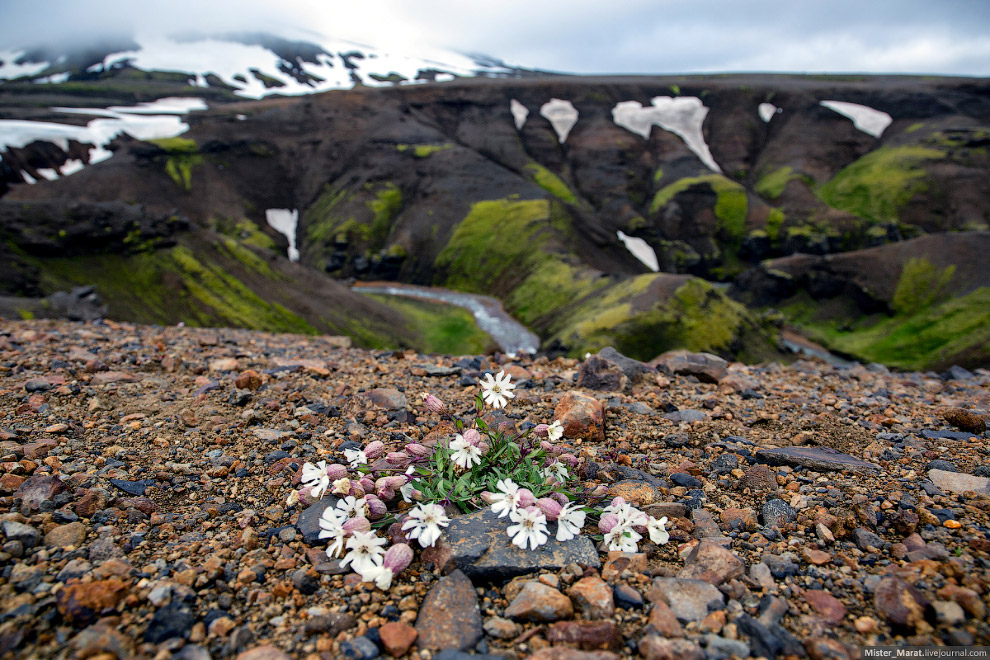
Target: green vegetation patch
877, 186
443, 328
730, 204
385, 206
551, 285
920, 285
771, 186
550, 182
321, 222
423, 150
177, 145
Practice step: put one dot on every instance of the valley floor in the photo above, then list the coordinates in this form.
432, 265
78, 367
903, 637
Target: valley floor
143, 504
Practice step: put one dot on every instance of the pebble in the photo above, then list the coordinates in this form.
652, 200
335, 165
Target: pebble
540, 603
581, 415
449, 616
689, 600
592, 597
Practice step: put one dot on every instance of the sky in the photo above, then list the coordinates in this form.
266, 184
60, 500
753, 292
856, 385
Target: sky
579, 36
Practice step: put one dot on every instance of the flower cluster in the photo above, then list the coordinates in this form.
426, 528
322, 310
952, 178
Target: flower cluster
410, 491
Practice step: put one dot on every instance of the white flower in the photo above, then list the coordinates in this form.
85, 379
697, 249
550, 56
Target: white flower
555, 431
556, 471
380, 575
465, 454
332, 527
341, 486
622, 538
315, 478
626, 513
353, 507
657, 530
531, 526
365, 551
355, 457
425, 521
570, 520
496, 391
505, 502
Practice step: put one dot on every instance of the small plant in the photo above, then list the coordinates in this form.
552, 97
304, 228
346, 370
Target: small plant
409, 492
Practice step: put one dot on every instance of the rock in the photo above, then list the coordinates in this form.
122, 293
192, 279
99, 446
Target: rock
763, 642
397, 637
777, 513
654, 647
581, 415
627, 597
759, 478
92, 501
958, 482
170, 622
308, 523
687, 415
663, 620
712, 563
965, 420
670, 509
596, 373
948, 613
633, 369
676, 440
268, 435
616, 563
386, 398
742, 519
248, 380
500, 628
449, 617
593, 598
103, 549
720, 648
820, 459
71, 535
967, 598
101, 638
705, 367
557, 653
939, 464
83, 602
25, 534
540, 603
900, 603
636, 492
586, 634
865, 539
826, 605
690, 600
263, 653
359, 648
37, 490
109, 377
478, 545
132, 487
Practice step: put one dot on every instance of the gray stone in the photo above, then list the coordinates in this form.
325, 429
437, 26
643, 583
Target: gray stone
720, 648
865, 539
478, 545
958, 482
689, 600
268, 435
37, 490
704, 366
15, 531
777, 512
601, 375
820, 459
449, 617
633, 369
308, 523
433, 370
687, 415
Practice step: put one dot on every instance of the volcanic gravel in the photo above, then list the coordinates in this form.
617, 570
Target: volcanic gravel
145, 471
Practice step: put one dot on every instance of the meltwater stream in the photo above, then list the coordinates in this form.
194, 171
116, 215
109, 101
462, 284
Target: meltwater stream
509, 334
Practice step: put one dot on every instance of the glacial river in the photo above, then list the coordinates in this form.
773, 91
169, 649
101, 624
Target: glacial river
509, 334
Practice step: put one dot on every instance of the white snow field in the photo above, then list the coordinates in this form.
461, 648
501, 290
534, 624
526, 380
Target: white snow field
285, 222
641, 250
562, 115
683, 116
865, 118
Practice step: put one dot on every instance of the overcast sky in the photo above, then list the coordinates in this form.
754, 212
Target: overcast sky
578, 36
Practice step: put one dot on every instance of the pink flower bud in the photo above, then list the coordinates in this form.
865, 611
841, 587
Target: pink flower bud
336, 471
560, 498
488, 498
433, 404
386, 494
397, 558
359, 524
367, 484
599, 491
418, 450
541, 430
526, 498
472, 437
306, 496
399, 459
374, 450
396, 535
618, 502
608, 522
357, 490
549, 507
396, 481
376, 508
569, 459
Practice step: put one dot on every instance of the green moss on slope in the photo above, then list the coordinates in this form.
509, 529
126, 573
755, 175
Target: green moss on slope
772, 185
385, 206
730, 204
443, 328
877, 186
550, 182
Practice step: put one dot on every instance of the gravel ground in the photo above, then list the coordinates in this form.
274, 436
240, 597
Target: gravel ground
145, 475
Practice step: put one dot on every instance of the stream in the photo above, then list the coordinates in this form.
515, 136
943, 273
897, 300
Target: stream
510, 335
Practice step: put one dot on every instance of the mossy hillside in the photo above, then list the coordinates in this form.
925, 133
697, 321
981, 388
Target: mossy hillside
920, 285
243, 231
771, 185
550, 182
337, 215
423, 150
730, 205
321, 220
550, 286
183, 156
442, 328
384, 207
877, 186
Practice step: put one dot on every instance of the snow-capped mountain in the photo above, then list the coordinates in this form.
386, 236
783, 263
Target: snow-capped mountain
252, 65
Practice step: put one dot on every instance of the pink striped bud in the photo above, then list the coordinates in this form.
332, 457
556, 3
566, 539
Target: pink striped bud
396, 535
357, 490
336, 471
396, 481
618, 502
541, 430
376, 508
397, 558
399, 459
560, 498
374, 450
359, 524
418, 450
489, 498
433, 404
549, 507
569, 459
601, 490
472, 437
608, 522
526, 498
367, 484
386, 494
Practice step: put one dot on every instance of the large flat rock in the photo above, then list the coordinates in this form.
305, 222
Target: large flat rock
821, 459
958, 482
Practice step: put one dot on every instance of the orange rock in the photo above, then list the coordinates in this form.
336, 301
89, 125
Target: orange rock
83, 602
581, 415
397, 637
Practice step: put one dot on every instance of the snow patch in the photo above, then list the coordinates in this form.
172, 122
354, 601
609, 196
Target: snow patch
767, 111
641, 250
683, 116
47, 173
519, 113
562, 115
54, 79
71, 166
30, 180
285, 222
865, 118
9, 70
